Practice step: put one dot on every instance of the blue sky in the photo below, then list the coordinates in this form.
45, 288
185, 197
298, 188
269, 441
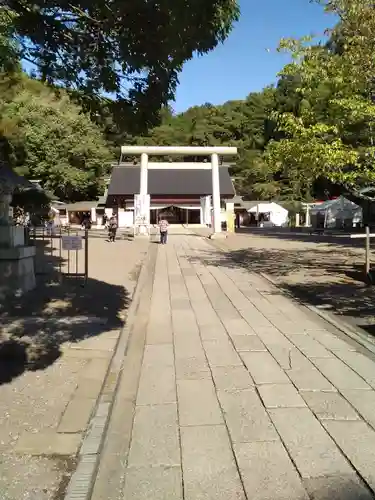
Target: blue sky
242, 64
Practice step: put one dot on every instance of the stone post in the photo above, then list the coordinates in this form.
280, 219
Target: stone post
6, 195
216, 194
16, 259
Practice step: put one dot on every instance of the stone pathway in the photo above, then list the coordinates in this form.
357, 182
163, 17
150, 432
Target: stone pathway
244, 394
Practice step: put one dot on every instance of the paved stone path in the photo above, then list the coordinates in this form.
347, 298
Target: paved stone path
244, 394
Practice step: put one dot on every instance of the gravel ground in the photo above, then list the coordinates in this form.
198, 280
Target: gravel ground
326, 271
36, 379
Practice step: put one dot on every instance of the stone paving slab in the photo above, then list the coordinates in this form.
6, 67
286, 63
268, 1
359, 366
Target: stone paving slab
340, 374
155, 437
309, 379
364, 404
231, 378
357, 441
331, 405
263, 368
162, 483
268, 473
198, 404
281, 396
246, 418
157, 386
271, 404
312, 450
208, 464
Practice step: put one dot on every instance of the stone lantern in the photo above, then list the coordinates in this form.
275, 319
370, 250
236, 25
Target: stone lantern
17, 273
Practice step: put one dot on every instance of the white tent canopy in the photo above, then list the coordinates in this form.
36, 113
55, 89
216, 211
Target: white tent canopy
337, 213
278, 215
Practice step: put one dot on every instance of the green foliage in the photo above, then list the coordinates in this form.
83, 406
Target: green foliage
332, 137
44, 136
130, 49
8, 47
244, 124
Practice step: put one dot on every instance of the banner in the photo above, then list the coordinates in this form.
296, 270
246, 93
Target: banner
230, 217
206, 210
141, 209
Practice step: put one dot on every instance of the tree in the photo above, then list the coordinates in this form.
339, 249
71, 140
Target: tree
331, 136
45, 136
9, 61
131, 49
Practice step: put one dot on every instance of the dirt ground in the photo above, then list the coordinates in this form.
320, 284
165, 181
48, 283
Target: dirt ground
56, 343
325, 270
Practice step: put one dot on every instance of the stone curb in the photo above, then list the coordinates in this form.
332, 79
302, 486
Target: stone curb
82, 481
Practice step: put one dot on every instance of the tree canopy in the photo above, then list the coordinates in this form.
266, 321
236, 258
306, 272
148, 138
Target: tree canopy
332, 135
44, 136
132, 50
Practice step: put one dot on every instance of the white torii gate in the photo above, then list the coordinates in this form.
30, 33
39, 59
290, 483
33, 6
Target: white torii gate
145, 151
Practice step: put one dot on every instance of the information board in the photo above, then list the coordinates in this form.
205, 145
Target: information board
71, 242
141, 210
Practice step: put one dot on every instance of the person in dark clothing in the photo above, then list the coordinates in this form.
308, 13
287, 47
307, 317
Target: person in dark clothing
112, 228
163, 227
238, 221
86, 223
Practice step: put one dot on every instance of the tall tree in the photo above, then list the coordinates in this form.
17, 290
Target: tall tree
130, 49
332, 135
47, 137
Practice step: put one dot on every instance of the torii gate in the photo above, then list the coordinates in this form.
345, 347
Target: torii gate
145, 151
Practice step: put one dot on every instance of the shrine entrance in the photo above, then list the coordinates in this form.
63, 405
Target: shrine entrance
175, 214
144, 209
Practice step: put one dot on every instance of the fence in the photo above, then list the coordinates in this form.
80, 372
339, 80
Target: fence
60, 252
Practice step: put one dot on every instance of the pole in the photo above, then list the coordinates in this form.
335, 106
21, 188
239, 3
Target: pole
307, 220
143, 190
143, 185
216, 193
86, 255
367, 264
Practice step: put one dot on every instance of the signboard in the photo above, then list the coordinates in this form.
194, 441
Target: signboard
141, 209
230, 217
206, 210
71, 242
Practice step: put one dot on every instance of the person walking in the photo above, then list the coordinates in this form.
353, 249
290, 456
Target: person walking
112, 228
86, 223
163, 227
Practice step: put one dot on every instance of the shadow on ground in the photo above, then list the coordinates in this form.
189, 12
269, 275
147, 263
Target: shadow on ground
35, 325
319, 277
335, 238
337, 488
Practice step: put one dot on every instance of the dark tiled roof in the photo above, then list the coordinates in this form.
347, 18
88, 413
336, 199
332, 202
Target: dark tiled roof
125, 181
